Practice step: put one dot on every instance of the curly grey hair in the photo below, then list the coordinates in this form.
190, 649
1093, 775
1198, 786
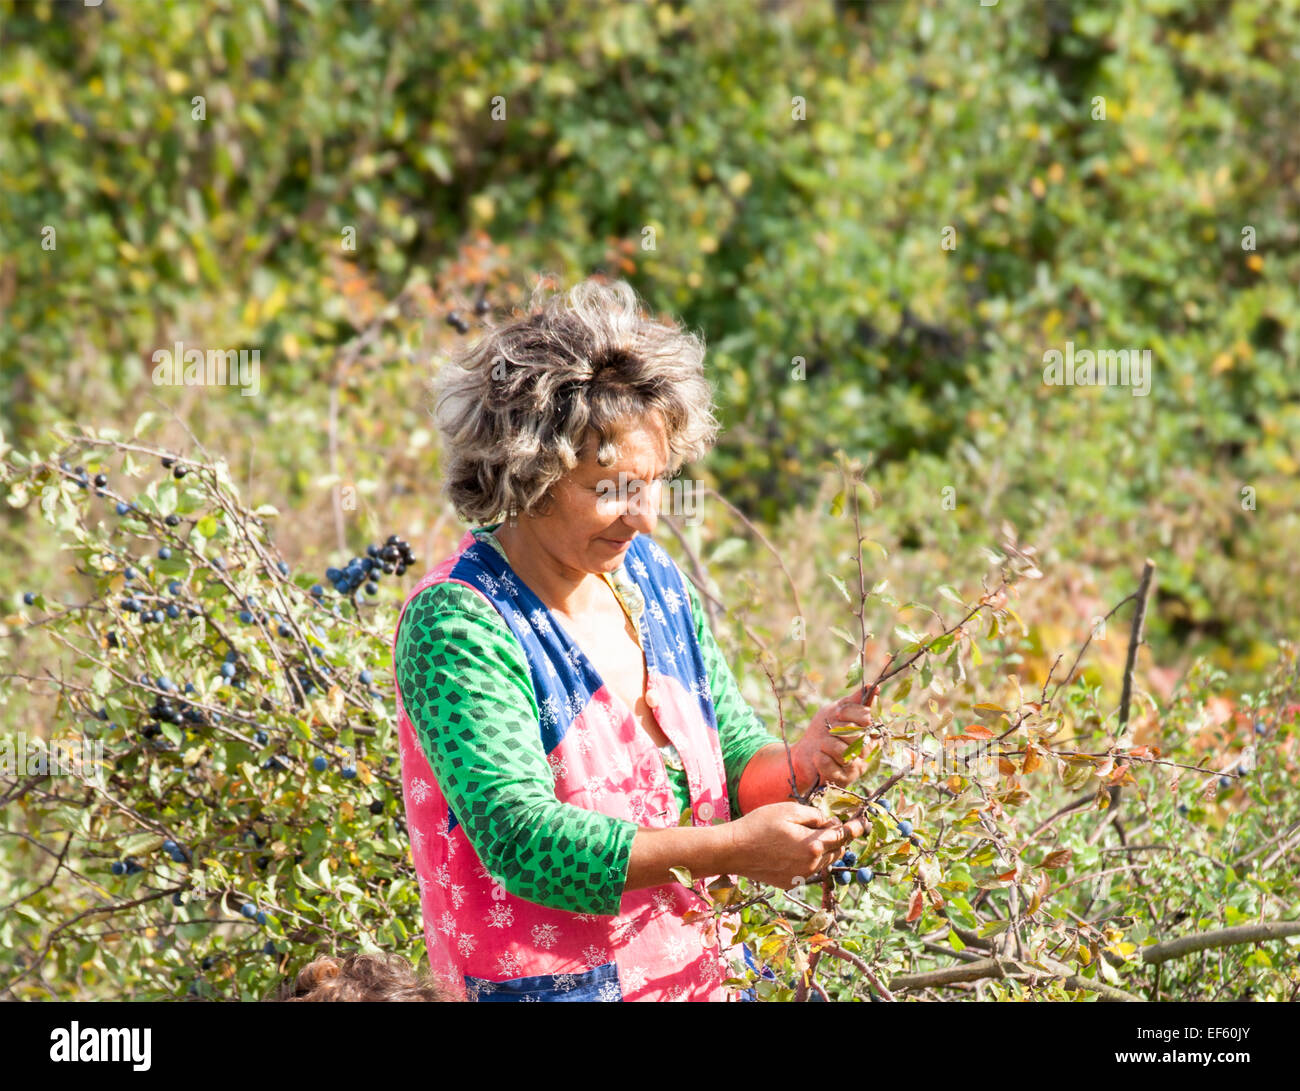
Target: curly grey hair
516, 410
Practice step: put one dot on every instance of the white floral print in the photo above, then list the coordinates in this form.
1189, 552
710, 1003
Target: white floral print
545, 936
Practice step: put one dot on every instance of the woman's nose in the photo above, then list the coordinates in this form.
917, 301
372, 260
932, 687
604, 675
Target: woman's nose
642, 511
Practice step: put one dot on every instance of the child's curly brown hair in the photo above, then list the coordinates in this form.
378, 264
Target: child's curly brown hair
363, 977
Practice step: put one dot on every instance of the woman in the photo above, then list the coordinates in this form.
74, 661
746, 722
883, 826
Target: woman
569, 730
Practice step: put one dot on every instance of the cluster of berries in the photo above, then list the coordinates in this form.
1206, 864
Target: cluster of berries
249, 910
844, 872
392, 558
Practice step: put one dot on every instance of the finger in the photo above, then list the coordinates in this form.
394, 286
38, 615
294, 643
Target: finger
803, 815
865, 694
856, 714
833, 748
855, 828
830, 764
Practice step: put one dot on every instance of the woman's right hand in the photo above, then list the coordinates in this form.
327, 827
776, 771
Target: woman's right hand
784, 844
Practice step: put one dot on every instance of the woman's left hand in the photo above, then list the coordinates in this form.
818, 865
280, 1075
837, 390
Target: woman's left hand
820, 754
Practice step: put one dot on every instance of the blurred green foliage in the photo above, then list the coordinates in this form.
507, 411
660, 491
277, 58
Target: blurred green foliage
797, 168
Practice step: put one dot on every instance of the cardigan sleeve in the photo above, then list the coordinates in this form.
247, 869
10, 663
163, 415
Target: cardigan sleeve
466, 686
741, 734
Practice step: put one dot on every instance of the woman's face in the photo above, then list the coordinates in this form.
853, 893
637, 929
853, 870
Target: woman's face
598, 510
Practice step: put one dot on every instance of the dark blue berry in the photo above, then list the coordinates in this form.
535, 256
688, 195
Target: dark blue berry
249, 910
123, 507
177, 899
260, 738
129, 573
173, 611
284, 630
246, 617
348, 772
850, 859
319, 764
864, 875
268, 948
905, 827
261, 917
119, 868
284, 568
843, 878
366, 678
317, 590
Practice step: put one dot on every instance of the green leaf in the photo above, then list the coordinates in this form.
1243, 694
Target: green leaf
682, 875
849, 640
993, 928
207, 526
166, 498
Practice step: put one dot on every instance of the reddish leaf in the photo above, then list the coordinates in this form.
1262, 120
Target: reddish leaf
915, 905
978, 731
1059, 858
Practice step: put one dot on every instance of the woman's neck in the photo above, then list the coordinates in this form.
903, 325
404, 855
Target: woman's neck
564, 590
